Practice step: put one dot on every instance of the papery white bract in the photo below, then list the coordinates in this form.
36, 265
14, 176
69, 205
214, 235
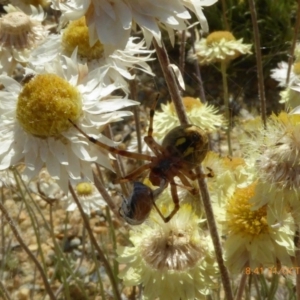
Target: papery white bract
60, 147
111, 21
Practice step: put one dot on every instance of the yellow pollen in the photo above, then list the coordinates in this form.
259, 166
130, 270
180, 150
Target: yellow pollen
189, 103
287, 119
84, 189
46, 104
233, 162
43, 3
240, 218
296, 68
77, 34
217, 36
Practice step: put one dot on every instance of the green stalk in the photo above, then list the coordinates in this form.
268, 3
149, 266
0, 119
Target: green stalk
226, 103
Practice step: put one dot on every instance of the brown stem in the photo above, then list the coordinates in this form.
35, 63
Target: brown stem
26, 249
171, 82
198, 72
241, 288
182, 52
260, 76
111, 204
214, 235
93, 240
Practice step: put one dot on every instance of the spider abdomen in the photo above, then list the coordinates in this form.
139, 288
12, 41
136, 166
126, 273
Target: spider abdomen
187, 142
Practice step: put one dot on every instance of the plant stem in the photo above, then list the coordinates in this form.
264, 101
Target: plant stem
94, 242
241, 287
171, 82
226, 103
260, 75
26, 249
198, 71
297, 258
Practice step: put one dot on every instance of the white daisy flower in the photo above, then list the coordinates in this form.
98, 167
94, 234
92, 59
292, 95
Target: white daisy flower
290, 97
203, 115
88, 196
76, 35
34, 120
19, 35
111, 21
219, 46
280, 74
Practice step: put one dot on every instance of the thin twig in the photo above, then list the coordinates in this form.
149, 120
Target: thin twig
171, 82
226, 103
241, 288
224, 11
210, 218
182, 52
26, 249
94, 242
198, 71
297, 258
111, 204
260, 76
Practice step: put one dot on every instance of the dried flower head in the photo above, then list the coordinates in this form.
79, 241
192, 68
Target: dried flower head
275, 161
219, 46
19, 35
171, 260
203, 115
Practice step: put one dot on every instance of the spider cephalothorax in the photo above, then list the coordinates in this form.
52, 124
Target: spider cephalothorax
182, 149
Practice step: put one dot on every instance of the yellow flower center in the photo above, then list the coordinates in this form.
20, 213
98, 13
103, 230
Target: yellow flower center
46, 104
296, 68
217, 36
189, 103
233, 162
241, 219
43, 3
84, 189
77, 34
14, 29
287, 119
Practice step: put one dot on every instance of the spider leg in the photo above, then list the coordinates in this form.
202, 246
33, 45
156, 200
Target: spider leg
153, 145
135, 173
193, 176
112, 149
152, 111
186, 184
175, 200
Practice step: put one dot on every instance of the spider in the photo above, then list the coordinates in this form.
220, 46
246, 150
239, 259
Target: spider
182, 149
137, 207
